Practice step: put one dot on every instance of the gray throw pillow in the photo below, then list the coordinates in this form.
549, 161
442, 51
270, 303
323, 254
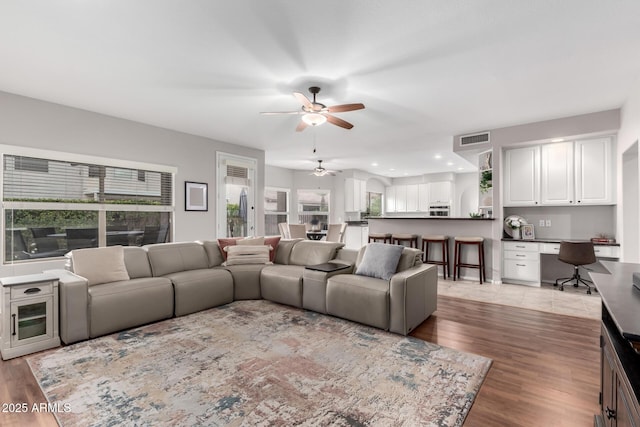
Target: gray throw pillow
380, 260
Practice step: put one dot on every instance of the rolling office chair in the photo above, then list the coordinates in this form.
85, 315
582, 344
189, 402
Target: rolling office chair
576, 254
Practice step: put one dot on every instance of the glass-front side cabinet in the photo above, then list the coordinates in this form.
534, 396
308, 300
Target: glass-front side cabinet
29, 314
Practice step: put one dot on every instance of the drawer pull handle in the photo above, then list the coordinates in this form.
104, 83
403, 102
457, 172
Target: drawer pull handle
520, 246
520, 255
32, 291
521, 265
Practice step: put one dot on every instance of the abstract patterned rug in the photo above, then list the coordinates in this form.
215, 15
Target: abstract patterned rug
259, 363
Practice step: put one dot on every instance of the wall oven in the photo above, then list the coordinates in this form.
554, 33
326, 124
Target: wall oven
439, 210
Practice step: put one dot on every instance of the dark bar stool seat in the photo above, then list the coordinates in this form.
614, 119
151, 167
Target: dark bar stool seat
399, 239
444, 242
462, 241
375, 237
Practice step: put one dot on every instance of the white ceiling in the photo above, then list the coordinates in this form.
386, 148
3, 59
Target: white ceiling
426, 69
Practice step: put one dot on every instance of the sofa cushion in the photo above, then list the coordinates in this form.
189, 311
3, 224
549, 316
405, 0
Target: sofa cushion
247, 254
282, 284
100, 265
200, 289
137, 262
380, 261
359, 298
212, 248
284, 250
167, 258
312, 252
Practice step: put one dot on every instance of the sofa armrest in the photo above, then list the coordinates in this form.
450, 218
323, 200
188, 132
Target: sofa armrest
413, 297
348, 256
74, 305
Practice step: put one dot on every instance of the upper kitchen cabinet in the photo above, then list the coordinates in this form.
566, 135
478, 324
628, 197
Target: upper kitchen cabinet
569, 174
557, 174
440, 193
594, 182
522, 177
407, 198
355, 195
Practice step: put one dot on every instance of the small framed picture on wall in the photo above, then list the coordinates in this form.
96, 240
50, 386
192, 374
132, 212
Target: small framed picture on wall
195, 196
528, 232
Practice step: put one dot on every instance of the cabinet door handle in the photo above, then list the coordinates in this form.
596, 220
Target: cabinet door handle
13, 317
610, 413
521, 265
520, 246
520, 255
32, 291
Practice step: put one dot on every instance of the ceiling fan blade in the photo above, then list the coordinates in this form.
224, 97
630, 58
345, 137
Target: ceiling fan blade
345, 107
303, 100
268, 113
338, 122
301, 126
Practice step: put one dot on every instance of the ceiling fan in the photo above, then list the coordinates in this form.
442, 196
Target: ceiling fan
314, 113
321, 171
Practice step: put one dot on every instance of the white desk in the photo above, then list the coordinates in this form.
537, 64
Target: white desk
521, 259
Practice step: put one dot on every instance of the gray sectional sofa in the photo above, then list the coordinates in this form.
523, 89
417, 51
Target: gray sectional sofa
155, 282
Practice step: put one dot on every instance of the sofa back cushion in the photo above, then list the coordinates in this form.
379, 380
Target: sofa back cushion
283, 251
137, 262
167, 258
312, 252
410, 257
100, 265
212, 249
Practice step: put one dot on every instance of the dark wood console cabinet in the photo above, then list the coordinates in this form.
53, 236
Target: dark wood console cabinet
620, 346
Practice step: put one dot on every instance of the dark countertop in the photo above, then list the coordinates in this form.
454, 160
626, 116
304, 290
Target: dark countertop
359, 223
620, 297
509, 239
437, 218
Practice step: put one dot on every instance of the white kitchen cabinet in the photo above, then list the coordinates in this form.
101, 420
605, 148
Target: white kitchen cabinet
557, 176
356, 236
355, 195
390, 199
412, 197
423, 197
440, 193
593, 172
522, 177
521, 262
560, 174
401, 198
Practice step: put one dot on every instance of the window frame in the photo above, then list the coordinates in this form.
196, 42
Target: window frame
100, 208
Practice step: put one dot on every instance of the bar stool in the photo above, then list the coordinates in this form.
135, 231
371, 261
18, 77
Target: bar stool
399, 239
444, 262
374, 237
460, 241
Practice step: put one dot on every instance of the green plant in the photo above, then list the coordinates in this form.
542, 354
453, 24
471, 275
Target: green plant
486, 181
475, 214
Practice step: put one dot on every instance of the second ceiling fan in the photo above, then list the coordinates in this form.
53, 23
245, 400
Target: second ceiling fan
314, 113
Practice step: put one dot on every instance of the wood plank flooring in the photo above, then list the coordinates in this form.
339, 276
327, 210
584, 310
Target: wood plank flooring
545, 372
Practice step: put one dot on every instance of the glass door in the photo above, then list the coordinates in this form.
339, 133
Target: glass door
236, 195
31, 320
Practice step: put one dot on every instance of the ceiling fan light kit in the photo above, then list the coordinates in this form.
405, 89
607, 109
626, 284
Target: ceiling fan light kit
314, 113
314, 119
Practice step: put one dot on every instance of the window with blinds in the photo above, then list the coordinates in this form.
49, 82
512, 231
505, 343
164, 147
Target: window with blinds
276, 209
53, 206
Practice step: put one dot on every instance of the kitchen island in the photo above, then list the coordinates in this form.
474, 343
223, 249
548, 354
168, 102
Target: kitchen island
449, 226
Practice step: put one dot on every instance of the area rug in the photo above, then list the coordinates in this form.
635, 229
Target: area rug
258, 363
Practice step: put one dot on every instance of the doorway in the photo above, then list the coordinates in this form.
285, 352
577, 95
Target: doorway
630, 204
236, 195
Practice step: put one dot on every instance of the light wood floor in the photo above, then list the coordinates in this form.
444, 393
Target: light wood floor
545, 372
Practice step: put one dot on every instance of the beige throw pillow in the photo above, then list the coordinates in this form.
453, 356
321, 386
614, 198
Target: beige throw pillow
100, 265
247, 254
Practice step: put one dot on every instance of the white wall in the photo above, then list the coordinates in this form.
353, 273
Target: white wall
628, 231
28, 122
467, 194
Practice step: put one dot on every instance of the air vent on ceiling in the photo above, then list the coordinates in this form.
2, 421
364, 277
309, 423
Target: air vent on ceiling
476, 138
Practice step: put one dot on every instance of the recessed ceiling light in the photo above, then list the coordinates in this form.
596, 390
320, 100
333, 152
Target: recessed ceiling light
437, 156
406, 173
391, 169
449, 163
460, 169
374, 164
557, 140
